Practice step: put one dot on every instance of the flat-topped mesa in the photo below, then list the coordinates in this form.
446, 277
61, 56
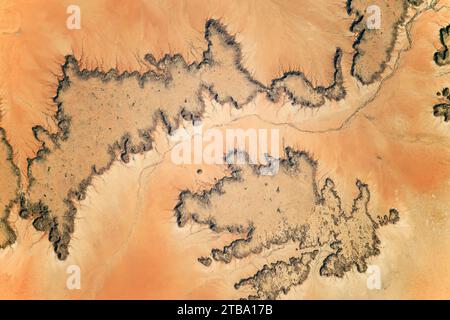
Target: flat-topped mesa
442, 108
269, 211
9, 189
377, 26
104, 116
442, 58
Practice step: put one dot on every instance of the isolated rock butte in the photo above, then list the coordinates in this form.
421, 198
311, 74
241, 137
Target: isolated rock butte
9, 186
442, 58
286, 207
374, 46
103, 116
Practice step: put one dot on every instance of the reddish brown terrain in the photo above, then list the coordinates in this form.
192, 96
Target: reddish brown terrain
88, 179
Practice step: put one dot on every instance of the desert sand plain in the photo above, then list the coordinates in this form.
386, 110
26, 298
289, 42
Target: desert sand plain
126, 239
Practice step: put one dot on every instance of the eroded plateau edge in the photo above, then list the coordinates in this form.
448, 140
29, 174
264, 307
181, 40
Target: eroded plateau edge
105, 116
9, 195
374, 46
271, 211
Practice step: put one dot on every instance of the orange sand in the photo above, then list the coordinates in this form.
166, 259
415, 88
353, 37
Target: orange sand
126, 241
